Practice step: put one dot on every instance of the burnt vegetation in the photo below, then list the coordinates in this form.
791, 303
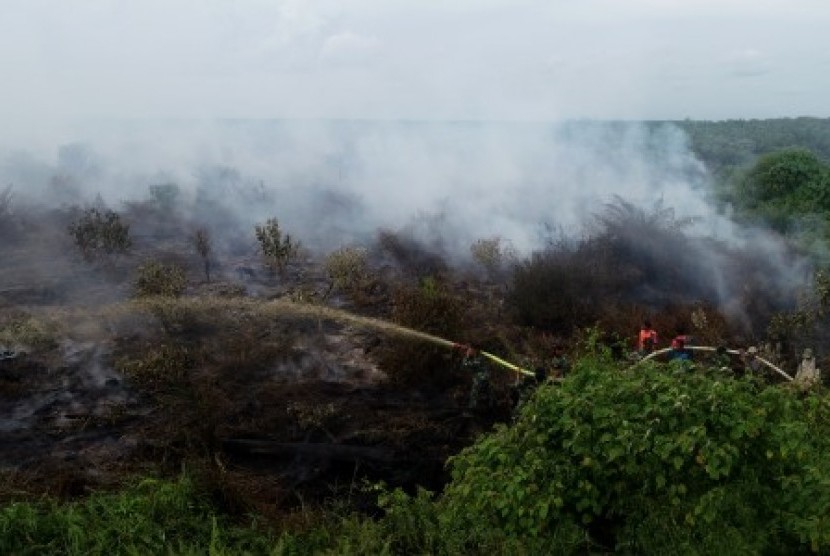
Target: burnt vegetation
183, 351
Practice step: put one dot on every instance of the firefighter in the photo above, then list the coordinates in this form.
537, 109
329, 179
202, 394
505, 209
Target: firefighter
481, 392
678, 350
560, 364
647, 340
523, 390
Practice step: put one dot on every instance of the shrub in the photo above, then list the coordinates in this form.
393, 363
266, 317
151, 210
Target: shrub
649, 461
348, 269
429, 307
100, 231
159, 368
28, 332
492, 254
155, 278
151, 517
277, 247
410, 255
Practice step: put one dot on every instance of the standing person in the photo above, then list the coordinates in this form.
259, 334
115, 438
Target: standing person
560, 364
481, 394
523, 390
647, 340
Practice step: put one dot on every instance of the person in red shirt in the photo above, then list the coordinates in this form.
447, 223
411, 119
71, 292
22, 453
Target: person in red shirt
647, 340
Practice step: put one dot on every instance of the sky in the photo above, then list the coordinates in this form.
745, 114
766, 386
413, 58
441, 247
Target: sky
528, 60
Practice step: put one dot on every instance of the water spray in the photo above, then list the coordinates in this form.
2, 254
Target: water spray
278, 306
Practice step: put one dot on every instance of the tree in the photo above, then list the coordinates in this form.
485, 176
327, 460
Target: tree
277, 247
100, 231
202, 244
781, 175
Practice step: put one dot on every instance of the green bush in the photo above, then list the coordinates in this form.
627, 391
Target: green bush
348, 270
155, 278
152, 517
100, 232
653, 460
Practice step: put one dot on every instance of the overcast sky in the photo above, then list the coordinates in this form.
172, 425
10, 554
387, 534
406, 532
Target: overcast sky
416, 59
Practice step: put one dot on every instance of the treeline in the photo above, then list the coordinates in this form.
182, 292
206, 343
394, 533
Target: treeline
728, 145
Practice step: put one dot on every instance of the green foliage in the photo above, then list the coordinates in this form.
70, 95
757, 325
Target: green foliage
348, 270
100, 231
788, 190
152, 517
784, 185
650, 461
727, 145
277, 247
28, 331
155, 278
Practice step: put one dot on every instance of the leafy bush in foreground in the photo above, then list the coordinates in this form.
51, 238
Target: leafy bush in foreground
649, 461
152, 517
656, 460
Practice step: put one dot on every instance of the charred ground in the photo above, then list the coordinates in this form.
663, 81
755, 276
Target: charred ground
275, 408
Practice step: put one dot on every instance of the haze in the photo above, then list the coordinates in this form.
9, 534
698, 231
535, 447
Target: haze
460, 60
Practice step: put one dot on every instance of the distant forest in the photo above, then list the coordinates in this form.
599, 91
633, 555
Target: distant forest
728, 145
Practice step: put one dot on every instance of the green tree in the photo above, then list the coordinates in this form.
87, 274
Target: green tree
100, 231
277, 247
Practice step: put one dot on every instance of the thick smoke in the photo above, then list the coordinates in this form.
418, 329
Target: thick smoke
445, 184
332, 182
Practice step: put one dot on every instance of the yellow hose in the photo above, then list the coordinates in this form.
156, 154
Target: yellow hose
506, 364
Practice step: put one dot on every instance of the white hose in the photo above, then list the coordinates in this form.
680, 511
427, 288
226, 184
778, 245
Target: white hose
654, 354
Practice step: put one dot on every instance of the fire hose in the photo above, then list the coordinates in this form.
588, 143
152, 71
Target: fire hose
654, 354
469, 350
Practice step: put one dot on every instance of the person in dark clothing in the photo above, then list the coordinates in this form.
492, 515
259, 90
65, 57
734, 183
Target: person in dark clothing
523, 390
481, 392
